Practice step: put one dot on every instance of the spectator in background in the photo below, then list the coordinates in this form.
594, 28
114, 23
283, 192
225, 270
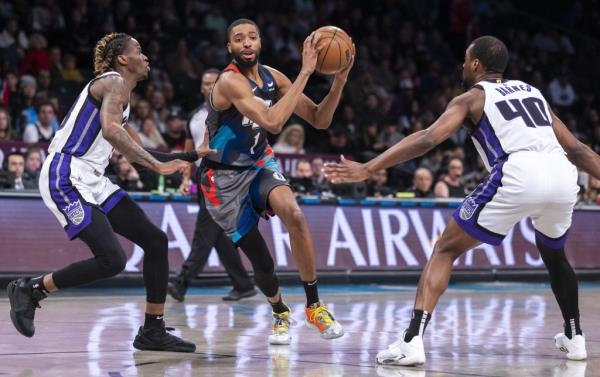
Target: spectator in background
318, 177
301, 180
33, 164
41, 130
6, 130
422, 181
10, 93
128, 178
182, 65
26, 102
389, 135
37, 57
339, 142
12, 41
174, 137
15, 165
150, 136
377, 185
69, 70
160, 112
561, 92
291, 140
450, 185
141, 112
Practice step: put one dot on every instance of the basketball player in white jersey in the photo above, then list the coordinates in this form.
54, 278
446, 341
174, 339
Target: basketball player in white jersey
529, 153
90, 207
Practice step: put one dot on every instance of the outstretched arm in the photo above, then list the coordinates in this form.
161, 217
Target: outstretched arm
408, 148
233, 89
578, 153
318, 115
114, 96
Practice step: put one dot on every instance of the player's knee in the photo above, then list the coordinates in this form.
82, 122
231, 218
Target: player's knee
444, 249
113, 265
295, 218
156, 240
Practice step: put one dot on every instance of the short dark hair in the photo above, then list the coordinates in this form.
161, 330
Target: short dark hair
491, 52
240, 21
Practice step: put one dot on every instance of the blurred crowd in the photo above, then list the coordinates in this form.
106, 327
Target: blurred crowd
408, 64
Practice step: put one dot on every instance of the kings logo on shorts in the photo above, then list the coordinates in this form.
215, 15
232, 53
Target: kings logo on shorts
75, 212
468, 208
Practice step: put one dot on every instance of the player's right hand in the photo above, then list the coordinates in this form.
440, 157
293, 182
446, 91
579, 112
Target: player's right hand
310, 52
170, 167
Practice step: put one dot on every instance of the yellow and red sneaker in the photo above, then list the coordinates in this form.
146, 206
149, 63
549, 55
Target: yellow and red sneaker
319, 316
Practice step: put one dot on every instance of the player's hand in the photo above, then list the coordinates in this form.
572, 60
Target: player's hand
343, 74
345, 171
170, 167
184, 188
204, 149
310, 52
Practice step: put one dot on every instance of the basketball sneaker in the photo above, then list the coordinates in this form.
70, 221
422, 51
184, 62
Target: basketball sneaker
23, 302
280, 332
319, 316
177, 289
158, 339
403, 353
574, 347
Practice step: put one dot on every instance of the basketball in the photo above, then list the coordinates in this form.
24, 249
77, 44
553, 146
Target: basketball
336, 52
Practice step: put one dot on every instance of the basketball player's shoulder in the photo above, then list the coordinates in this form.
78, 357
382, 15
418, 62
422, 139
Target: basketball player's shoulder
279, 76
469, 97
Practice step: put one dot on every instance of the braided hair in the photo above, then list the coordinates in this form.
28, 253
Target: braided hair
107, 49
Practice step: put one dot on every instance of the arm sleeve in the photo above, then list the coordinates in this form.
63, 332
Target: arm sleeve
190, 156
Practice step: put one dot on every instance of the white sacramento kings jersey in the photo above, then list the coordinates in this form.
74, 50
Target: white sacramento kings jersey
80, 134
516, 118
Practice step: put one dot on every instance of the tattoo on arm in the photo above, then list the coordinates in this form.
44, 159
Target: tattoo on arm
114, 97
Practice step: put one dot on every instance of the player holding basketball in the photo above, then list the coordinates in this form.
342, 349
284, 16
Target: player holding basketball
523, 145
243, 181
93, 209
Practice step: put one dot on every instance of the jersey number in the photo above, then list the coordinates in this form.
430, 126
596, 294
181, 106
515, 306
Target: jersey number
530, 109
246, 122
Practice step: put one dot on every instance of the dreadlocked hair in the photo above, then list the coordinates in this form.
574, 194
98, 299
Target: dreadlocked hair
107, 49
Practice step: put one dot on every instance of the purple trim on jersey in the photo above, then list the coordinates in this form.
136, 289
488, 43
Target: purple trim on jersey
467, 214
79, 127
66, 198
485, 135
552, 243
113, 200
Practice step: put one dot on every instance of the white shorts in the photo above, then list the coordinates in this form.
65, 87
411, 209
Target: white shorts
70, 188
539, 185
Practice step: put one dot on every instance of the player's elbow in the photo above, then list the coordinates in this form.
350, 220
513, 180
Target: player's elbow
576, 153
273, 127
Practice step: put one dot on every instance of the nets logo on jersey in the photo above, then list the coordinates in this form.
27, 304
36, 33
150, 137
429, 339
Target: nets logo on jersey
468, 208
75, 212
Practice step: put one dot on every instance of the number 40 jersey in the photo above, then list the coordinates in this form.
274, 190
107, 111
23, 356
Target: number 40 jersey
516, 118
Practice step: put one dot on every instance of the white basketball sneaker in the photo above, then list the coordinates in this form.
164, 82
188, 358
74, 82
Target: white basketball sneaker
280, 332
403, 353
574, 347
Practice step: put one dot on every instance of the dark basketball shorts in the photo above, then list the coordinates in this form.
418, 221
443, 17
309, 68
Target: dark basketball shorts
236, 199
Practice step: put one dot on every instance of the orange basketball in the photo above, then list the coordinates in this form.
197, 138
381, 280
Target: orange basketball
336, 52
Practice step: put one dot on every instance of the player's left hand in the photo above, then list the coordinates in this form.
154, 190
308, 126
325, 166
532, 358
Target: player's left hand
345, 171
343, 74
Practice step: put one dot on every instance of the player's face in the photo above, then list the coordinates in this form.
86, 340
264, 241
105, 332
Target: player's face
208, 80
244, 45
137, 62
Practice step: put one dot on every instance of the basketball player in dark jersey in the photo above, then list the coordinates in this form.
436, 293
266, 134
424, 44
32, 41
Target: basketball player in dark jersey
243, 181
90, 207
